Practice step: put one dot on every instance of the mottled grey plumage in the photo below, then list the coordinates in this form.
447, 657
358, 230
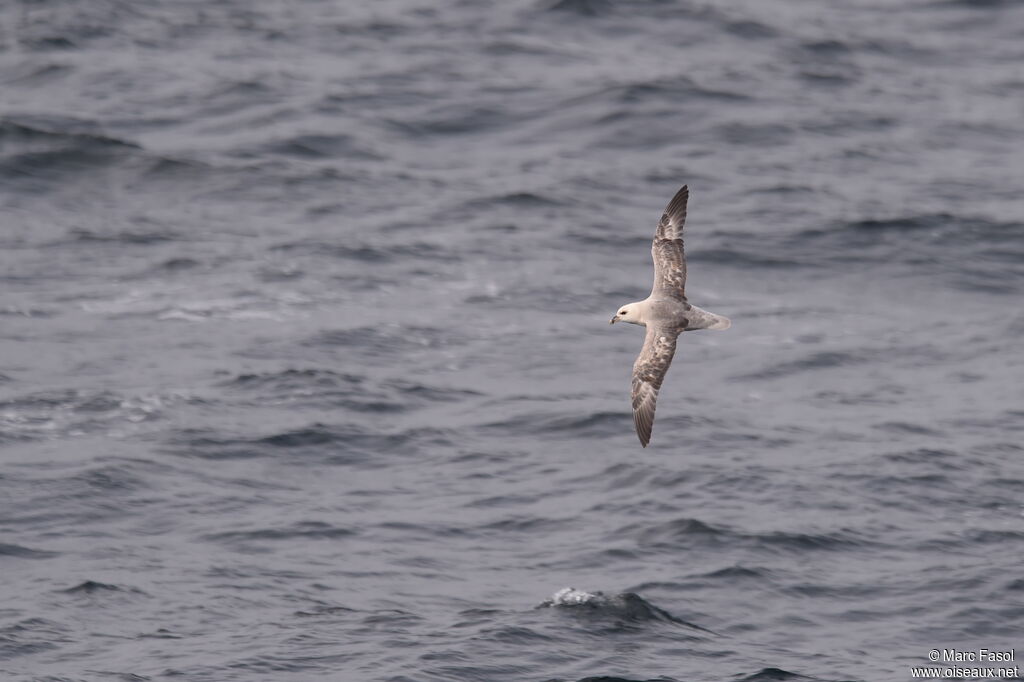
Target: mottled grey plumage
666, 313
667, 249
648, 373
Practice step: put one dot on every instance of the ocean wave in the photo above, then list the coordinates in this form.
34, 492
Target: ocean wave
569, 425
299, 531
72, 413
626, 607
324, 146
341, 444
94, 587
33, 635
22, 552
36, 155
694, 533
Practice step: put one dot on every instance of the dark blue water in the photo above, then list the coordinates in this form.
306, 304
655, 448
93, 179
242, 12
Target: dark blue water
305, 370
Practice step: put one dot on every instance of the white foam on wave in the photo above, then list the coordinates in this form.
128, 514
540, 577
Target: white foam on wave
183, 305
570, 596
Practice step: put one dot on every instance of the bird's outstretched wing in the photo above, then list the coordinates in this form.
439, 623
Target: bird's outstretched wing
667, 249
648, 373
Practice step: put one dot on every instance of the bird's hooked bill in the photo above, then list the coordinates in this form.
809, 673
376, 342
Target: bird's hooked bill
612, 321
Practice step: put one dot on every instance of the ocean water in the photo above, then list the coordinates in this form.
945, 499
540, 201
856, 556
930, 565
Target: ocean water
305, 369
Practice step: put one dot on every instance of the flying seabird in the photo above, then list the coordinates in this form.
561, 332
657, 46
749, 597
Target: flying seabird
666, 313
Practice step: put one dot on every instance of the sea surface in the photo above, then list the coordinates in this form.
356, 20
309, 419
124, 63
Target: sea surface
306, 371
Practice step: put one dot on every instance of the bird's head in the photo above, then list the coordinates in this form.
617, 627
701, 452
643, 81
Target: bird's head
628, 313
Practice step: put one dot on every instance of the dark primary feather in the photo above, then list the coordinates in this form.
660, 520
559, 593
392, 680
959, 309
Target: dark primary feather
648, 373
667, 249
671, 224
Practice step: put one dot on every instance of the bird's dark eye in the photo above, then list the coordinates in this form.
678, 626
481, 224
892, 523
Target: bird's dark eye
622, 312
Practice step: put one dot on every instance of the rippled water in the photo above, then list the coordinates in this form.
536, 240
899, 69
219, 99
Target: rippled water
306, 371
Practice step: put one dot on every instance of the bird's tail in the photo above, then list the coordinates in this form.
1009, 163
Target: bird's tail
703, 319
719, 322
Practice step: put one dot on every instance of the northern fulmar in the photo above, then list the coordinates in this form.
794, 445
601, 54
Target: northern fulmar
666, 313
